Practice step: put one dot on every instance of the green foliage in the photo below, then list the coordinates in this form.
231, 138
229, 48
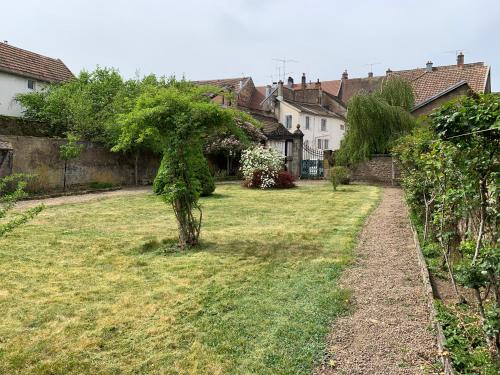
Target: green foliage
175, 120
464, 340
71, 149
205, 180
376, 120
450, 176
12, 189
338, 175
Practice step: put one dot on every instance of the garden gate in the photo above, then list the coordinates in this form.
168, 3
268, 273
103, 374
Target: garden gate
312, 163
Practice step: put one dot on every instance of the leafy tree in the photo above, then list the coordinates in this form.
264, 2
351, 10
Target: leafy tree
12, 189
176, 120
69, 151
84, 106
376, 120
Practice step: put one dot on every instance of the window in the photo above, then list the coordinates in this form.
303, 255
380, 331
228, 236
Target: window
325, 144
306, 143
31, 84
342, 127
288, 121
323, 125
320, 142
307, 122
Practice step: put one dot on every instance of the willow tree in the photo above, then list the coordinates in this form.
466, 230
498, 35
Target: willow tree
375, 120
175, 121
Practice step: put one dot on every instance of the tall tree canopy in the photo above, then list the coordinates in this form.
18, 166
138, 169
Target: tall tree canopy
375, 120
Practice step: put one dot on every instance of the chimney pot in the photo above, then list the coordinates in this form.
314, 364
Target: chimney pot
345, 75
370, 74
460, 59
428, 66
303, 81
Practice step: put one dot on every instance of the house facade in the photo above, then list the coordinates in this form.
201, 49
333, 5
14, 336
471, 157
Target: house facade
23, 71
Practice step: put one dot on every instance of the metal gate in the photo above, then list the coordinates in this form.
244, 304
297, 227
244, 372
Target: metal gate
312, 163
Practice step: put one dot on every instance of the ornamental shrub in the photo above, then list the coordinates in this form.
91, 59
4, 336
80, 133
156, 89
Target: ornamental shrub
261, 166
339, 175
205, 181
285, 180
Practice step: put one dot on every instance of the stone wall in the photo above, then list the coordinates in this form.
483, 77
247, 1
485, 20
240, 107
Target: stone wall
39, 156
379, 169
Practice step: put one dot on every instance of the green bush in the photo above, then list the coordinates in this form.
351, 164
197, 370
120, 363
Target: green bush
206, 184
339, 175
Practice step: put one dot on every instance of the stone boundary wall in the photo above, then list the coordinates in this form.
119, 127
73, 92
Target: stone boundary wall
381, 169
39, 156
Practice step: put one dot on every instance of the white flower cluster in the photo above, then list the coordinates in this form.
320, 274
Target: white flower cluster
266, 161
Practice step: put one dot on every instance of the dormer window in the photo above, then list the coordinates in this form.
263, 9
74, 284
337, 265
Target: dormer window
31, 84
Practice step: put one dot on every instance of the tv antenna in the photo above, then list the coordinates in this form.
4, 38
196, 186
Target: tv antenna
456, 52
282, 69
371, 65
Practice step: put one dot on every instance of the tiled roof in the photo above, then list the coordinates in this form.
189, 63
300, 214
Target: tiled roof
313, 109
232, 84
29, 64
331, 87
258, 96
271, 127
427, 84
352, 86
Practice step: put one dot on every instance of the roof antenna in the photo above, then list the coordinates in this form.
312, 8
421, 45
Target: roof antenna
370, 73
282, 72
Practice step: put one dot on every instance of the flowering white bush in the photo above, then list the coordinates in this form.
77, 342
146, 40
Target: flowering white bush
265, 161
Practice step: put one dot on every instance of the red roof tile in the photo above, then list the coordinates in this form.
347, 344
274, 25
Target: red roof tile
29, 64
331, 87
427, 84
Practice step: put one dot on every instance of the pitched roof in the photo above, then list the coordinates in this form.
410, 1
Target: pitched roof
231, 84
29, 64
271, 127
313, 109
352, 86
427, 84
331, 87
258, 96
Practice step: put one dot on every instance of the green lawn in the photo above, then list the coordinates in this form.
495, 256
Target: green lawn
86, 289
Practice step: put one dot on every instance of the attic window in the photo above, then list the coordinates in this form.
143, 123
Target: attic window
31, 84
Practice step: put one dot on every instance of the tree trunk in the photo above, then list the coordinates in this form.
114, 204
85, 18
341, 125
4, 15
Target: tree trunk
136, 168
64, 175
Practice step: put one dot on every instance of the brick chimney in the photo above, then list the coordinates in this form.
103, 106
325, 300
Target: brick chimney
317, 84
388, 71
428, 66
345, 75
290, 82
370, 74
280, 89
303, 81
460, 59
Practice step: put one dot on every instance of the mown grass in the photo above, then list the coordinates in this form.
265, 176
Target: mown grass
89, 289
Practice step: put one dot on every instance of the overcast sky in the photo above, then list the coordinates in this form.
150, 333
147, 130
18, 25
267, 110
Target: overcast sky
223, 39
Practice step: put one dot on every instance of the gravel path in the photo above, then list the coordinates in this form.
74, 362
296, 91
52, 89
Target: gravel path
388, 330
84, 197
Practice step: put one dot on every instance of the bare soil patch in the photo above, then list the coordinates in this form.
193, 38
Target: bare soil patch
388, 331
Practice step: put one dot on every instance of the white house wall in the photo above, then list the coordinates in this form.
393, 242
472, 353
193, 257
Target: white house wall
334, 132
10, 86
